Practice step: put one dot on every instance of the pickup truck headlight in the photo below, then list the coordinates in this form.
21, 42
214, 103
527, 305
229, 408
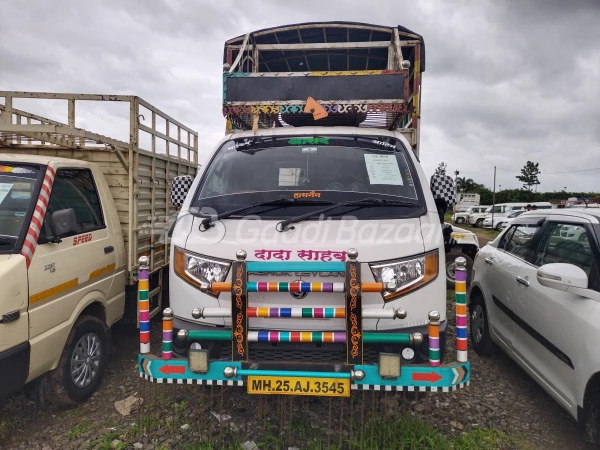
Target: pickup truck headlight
196, 269
406, 274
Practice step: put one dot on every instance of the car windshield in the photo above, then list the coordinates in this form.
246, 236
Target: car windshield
17, 186
311, 170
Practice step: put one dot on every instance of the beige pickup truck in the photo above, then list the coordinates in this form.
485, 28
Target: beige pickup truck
77, 209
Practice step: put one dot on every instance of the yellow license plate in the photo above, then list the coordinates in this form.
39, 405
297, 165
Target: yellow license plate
327, 387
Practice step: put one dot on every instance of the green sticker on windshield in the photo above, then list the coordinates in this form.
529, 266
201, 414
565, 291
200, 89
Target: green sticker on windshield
309, 141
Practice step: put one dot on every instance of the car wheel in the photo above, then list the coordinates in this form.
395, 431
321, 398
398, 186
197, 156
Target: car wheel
582, 237
499, 226
479, 223
459, 220
82, 363
591, 418
479, 326
451, 268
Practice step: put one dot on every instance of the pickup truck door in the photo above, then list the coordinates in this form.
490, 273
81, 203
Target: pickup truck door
65, 270
551, 335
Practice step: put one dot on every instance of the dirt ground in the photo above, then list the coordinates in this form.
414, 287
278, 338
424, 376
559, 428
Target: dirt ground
502, 407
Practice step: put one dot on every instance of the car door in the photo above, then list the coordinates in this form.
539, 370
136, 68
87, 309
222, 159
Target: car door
513, 252
63, 271
550, 322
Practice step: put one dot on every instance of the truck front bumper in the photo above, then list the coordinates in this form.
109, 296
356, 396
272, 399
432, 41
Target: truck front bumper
387, 372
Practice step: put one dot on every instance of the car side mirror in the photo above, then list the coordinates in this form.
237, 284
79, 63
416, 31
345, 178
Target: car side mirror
64, 222
562, 276
180, 188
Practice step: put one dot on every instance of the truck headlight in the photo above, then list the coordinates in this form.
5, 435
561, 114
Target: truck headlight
196, 269
406, 275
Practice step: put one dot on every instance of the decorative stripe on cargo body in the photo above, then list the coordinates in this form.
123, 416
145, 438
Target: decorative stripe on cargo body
55, 290
39, 213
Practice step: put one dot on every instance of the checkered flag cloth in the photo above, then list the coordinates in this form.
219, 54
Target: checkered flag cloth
179, 189
442, 187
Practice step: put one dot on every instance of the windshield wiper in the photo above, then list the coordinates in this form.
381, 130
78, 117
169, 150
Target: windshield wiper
208, 222
364, 203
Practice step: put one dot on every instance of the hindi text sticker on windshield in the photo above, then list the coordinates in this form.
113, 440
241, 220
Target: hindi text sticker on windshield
4, 190
383, 169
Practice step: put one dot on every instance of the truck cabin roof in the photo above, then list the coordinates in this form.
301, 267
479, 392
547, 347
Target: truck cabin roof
364, 57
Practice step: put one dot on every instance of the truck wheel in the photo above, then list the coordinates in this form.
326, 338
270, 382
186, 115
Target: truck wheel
459, 220
479, 223
591, 418
81, 364
480, 327
451, 268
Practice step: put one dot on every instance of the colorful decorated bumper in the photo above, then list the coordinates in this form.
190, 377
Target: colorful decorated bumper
323, 379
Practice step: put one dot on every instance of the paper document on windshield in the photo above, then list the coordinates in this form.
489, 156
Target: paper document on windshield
4, 190
383, 169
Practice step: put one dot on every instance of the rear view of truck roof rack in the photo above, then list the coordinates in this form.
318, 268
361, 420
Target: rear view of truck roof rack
362, 75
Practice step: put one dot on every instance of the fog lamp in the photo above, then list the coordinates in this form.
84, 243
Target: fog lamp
389, 365
198, 360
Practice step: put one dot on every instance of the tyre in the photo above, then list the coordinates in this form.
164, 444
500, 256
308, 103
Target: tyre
499, 226
591, 417
479, 223
450, 268
582, 238
459, 220
81, 364
480, 327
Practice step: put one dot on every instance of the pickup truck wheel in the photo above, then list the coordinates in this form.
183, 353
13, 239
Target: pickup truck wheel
479, 326
459, 220
479, 223
451, 268
81, 364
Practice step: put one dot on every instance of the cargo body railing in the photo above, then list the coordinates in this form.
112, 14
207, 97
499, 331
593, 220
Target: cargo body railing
388, 374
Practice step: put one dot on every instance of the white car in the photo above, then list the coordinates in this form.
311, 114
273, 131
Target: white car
464, 216
536, 294
500, 220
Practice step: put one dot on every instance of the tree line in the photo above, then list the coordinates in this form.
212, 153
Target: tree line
529, 178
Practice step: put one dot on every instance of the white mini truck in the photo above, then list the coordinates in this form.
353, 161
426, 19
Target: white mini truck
308, 256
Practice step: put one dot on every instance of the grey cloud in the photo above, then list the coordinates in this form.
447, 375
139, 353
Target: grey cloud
506, 81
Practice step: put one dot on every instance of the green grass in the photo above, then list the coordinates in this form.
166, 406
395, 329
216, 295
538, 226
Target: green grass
405, 432
105, 441
8, 425
146, 423
77, 430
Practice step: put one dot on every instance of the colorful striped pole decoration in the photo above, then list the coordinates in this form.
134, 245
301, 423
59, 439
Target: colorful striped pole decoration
297, 336
301, 336
300, 313
144, 304
277, 286
167, 344
306, 313
294, 286
461, 308
434, 338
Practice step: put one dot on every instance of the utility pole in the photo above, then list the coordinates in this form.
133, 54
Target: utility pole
494, 197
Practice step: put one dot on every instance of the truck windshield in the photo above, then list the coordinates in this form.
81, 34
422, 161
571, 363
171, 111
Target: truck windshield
17, 186
313, 170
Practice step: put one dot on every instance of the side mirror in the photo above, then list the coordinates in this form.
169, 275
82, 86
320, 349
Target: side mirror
180, 188
64, 222
562, 276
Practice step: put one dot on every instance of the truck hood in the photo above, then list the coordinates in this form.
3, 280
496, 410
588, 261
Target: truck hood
4, 258
376, 241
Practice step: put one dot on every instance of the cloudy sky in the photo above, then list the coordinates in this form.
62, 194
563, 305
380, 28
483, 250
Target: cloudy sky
506, 80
